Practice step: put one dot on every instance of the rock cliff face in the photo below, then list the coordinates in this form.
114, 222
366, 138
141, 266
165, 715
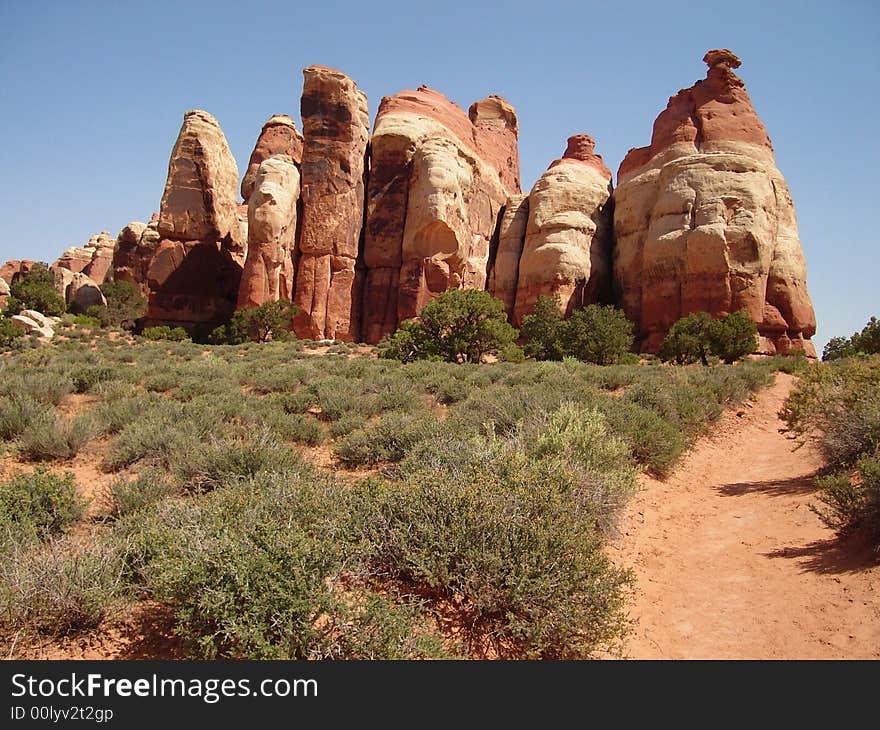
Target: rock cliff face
704, 220
438, 181
194, 273
336, 131
568, 240
135, 246
279, 136
504, 274
272, 213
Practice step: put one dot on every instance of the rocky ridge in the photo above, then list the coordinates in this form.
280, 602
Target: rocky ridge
361, 230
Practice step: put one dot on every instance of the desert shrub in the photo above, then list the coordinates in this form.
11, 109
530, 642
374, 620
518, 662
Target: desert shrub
839, 405
125, 305
35, 290
577, 438
49, 436
656, 444
300, 401
253, 571
85, 378
220, 461
461, 325
17, 412
45, 387
296, 427
387, 439
511, 543
543, 331
346, 425
114, 414
851, 502
268, 321
733, 337
866, 342
695, 337
10, 334
598, 334
61, 587
276, 379
83, 320
163, 332
162, 381
41, 501
131, 495
688, 340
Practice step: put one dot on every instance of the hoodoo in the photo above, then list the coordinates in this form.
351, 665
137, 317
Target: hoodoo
704, 220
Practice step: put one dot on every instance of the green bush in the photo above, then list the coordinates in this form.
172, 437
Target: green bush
132, 495
461, 325
510, 543
695, 337
220, 461
40, 500
85, 378
49, 436
544, 331
866, 342
17, 412
62, 587
386, 440
598, 334
35, 290
253, 572
10, 334
163, 332
268, 321
125, 305
852, 502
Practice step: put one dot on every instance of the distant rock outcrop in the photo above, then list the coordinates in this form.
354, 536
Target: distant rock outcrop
704, 220
336, 132
438, 181
135, 246
568, 240
195, 271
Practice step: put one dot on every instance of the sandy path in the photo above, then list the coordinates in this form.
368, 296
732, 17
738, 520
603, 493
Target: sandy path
730, 561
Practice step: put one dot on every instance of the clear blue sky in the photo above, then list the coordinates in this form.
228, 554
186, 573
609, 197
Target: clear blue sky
94, 93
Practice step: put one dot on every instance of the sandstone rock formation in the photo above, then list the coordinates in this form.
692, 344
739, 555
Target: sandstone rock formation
94, 259
4, 293
704, 220
194, 273
567, 249
438, 181
82, 293
135, 246
279, 136
272, 214
504, 274
74, 259
34, 323
14, 269
334, 159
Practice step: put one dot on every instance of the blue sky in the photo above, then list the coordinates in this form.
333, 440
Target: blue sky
94, 93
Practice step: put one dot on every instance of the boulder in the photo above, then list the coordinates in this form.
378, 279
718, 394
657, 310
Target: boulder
4, 293
83, 293
336, 132
272, 214
63, 279
194, 273
279, 136
567, 248
35, 326
704, 220
74, 259
438, 181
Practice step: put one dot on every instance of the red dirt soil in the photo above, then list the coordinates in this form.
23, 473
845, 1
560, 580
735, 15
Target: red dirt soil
730, 561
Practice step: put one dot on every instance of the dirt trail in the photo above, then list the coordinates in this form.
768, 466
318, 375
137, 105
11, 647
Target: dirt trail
731, 562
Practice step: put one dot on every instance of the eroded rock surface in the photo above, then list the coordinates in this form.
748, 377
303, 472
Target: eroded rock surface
704, 220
